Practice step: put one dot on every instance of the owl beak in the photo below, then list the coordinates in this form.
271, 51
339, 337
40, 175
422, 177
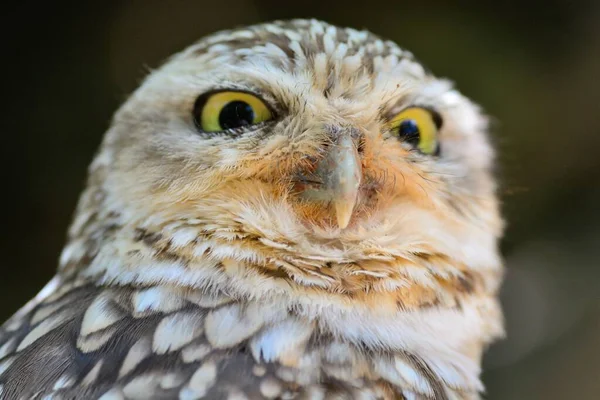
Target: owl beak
341, 174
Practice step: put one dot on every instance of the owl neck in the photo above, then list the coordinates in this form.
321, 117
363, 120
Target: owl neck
253, 267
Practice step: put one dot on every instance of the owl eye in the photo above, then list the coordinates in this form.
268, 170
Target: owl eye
228, 110
419, 127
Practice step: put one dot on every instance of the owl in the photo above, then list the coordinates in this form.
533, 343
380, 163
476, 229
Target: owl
290, 210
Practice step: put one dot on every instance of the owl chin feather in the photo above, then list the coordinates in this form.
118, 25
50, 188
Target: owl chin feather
318, 249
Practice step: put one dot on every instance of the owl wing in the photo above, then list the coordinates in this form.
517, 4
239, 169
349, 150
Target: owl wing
84, 341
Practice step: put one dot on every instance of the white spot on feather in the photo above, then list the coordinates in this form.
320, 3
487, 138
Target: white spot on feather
42, 329
140, 350
91, 377
99, 315
5, 364
235, 395
156, 299
283, 341
94, 341
207, 300
113, 394
65, 381
8, 347
270, 388
170, 381
175, 331
259, 370
13, 324
200, 382
189, 394
45, 311
193, 353
230, 325
142, 387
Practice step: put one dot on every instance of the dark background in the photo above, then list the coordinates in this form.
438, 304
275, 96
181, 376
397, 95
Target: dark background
533, 65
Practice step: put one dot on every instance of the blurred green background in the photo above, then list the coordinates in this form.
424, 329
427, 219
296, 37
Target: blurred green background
533, 65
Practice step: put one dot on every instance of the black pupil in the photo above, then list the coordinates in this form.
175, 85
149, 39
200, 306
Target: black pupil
236, 114
409, 131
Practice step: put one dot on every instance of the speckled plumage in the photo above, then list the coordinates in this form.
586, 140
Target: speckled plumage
194, 270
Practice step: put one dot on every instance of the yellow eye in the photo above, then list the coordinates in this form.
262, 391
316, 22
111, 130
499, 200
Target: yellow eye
419, 127
221, 111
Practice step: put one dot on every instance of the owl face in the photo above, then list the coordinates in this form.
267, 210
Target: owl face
320, 145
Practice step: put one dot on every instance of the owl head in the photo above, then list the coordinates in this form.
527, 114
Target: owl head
295, 157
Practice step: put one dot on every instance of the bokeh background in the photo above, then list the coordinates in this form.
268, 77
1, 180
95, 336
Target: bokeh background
533, 65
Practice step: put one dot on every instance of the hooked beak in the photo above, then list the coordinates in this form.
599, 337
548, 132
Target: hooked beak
341, 175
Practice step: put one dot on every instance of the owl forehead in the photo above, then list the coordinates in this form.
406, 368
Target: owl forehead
330, 58
312, 71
